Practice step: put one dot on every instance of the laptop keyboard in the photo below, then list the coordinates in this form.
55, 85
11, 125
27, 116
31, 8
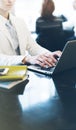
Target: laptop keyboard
42, 70
46, 69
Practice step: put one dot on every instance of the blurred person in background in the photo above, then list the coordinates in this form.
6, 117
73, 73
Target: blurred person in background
49, 27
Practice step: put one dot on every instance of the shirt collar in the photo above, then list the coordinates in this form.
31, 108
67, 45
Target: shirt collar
4, 20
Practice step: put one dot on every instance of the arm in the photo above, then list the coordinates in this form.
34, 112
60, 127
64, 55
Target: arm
10, 60
37, 54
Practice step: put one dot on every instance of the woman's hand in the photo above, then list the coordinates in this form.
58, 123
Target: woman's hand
46, 59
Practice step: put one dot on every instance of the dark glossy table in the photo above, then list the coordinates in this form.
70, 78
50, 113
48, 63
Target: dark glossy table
48, 103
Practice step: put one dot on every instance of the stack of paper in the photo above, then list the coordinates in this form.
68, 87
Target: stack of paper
15, 79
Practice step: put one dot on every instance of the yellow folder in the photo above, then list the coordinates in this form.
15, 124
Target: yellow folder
14, 73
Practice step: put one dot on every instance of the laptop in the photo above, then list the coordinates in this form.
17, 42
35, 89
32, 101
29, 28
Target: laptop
65, 62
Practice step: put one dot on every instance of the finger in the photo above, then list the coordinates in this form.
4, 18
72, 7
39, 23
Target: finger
45, 61
50, 62
57, 53
40, 63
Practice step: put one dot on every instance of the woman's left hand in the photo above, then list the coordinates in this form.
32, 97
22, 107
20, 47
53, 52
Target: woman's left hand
48, 59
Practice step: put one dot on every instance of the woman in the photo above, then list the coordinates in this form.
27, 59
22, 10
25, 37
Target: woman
49, 28
16, 44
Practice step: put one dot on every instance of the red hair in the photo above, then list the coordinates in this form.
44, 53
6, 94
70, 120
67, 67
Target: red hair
48, 8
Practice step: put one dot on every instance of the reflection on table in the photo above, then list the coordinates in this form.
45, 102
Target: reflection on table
48, 103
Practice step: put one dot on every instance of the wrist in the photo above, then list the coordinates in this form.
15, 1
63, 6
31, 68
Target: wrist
26, 60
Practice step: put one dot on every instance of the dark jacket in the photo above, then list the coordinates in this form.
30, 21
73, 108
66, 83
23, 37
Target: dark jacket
50, 33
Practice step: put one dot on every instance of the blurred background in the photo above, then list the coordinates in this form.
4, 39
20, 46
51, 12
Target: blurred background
29, 10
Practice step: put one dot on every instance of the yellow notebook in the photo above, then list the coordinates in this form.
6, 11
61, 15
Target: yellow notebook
14, 73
